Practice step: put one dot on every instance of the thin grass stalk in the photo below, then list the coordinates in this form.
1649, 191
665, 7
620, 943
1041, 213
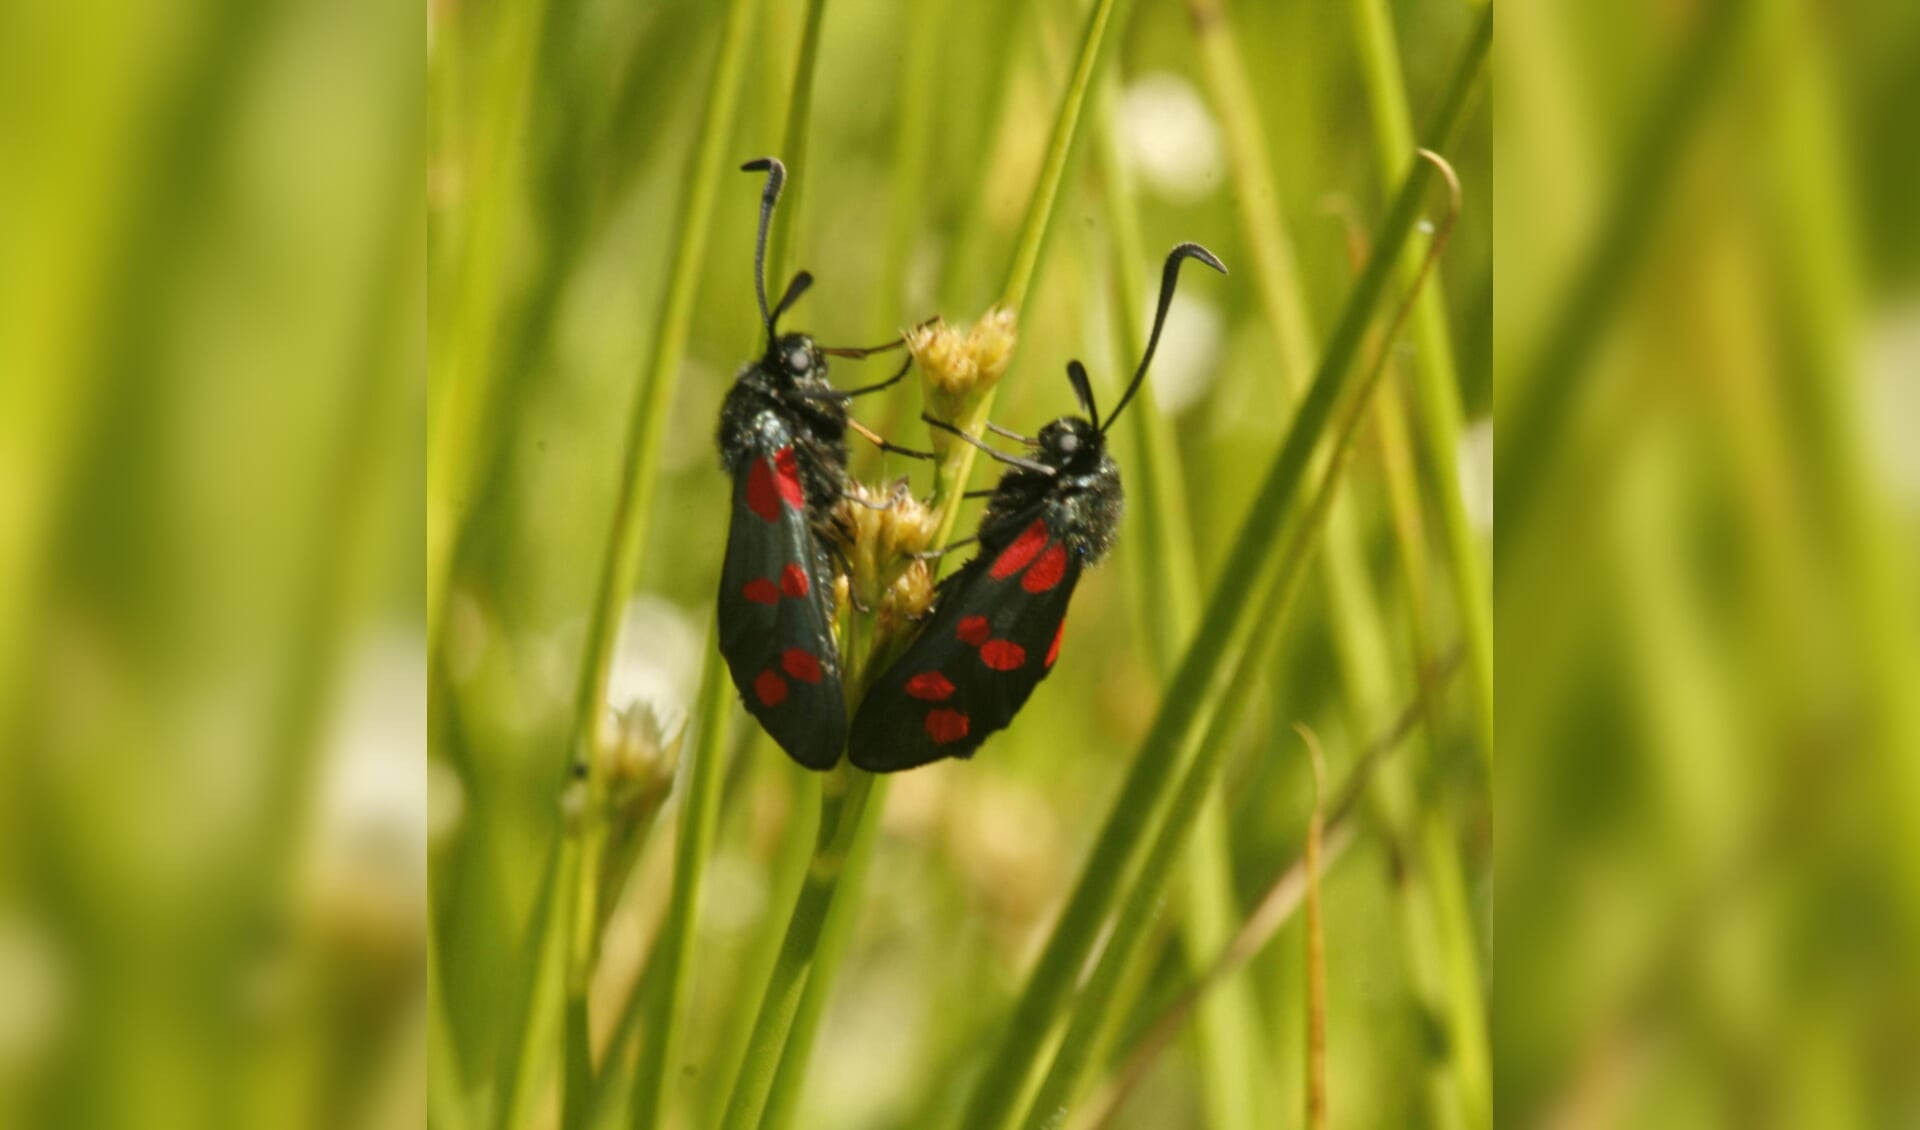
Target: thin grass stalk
447, 1107
950, 477
1358, 631
1436, 383
1316, 971
788, 870
631, 517
845, 792
534, 1032
789, 1081
1437, 430
912, 152
1395, 796
1223, 635
1093, 1011
693, 846
465, 381
1165, 592
795, 138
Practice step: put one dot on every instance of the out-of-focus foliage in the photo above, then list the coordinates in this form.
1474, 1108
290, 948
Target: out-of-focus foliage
1706, 383
212, 812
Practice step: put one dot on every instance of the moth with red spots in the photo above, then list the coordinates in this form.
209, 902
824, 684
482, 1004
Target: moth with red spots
996, 624
782, 438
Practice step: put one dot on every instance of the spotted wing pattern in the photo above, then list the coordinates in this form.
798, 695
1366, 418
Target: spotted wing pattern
992, 637
776, 613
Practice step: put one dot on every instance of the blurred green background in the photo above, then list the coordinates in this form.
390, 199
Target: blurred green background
323, 329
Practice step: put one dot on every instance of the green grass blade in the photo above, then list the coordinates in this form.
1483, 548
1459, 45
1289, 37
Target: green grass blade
699, 812
789, 1081
1094, 1011
846, 792
1436, 427
1166, 596
1436, 383
1223, 635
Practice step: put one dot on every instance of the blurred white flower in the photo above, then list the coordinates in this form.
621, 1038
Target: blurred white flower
1171, 137
1890, 402
657, 659
1475, 463
1189, 355
33, 993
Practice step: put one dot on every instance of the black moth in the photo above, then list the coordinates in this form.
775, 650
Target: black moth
995, 628
782, 438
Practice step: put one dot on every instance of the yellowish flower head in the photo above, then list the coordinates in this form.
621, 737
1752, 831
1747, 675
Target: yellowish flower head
958, 367
882, 532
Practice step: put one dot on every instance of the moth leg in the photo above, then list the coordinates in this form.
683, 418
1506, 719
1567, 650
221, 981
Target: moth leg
873, 437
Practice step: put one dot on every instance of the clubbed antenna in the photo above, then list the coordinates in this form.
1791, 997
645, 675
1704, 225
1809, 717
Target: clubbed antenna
1169, 275
776, 177
1083, 389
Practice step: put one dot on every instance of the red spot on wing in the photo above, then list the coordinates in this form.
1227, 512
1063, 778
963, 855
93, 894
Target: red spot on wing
946, 726
761, 591
1023, 549
801, 665
770, 688
1053, 651
787, 468
930, 686
763, 498
1002, 655
1047, 571
975, 630
793, 581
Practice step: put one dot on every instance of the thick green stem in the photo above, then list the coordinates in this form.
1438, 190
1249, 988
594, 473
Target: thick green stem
844, 800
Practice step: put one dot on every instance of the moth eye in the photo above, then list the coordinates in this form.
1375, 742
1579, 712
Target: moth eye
1069, 443
799, 360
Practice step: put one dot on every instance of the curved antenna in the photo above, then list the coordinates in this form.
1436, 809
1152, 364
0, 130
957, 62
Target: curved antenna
1083, 388
1168, 276
776, 177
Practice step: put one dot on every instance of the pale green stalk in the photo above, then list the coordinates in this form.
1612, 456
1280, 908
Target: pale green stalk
631, 517
1359, 637
1166, 593
673, 950
1223, 635
950, 476
1437, 427
844, 795
795, 143
463, 374
1436, 384
789, 1082
534, 1031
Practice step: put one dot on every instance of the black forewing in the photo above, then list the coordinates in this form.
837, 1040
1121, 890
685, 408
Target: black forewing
777, 639
897, 726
